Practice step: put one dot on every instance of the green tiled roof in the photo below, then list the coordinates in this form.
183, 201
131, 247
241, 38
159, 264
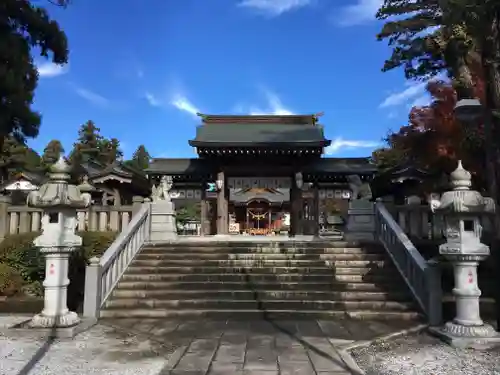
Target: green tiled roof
258, 133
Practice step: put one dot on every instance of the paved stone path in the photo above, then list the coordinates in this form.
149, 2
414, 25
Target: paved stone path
259, 347
201, 347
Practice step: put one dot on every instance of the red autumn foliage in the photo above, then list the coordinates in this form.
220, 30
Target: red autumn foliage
433, 138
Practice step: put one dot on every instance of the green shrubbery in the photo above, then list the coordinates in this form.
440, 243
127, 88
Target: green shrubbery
10, 281
22, 267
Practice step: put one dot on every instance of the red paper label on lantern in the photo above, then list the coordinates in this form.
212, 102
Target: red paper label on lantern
471, 277
51, 269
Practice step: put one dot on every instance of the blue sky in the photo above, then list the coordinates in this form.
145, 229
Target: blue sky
141, 72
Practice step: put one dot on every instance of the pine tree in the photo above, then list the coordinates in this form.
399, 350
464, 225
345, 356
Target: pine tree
16, 157
110, 151
52, 152
429, 37
140, 159
32, 160
88, 144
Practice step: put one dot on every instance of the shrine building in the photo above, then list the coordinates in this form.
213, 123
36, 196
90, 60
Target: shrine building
261, 175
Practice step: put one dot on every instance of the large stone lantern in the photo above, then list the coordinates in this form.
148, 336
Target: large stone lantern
463, 249
59, 200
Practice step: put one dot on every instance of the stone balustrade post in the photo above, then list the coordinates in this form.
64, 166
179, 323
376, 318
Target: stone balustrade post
163, 223
92, 296
360, 221
137, 202
5, 202
435, 292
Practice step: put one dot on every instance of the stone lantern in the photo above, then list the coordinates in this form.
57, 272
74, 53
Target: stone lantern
59, 200
463, 249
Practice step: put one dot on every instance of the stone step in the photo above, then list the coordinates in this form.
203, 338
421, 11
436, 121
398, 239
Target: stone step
259, 314
200, 243
259, 263
251, 277
259, 286
292, 279
216, 256
272, 304
261, 270
262, 250
249, 294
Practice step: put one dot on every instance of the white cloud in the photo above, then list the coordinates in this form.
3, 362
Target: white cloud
92, 97
182, 103
412, 92
340, 144
274, 106
274, 7
361, 12
152, 100
49, 70
421, 101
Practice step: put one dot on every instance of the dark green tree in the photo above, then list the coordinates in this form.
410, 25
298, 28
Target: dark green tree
33, 161
24, 27
404, 23
16, 157
110, 151
88, 144
140, 159
52, 152
424, 43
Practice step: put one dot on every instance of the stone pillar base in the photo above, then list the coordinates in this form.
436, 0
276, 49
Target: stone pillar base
472, 337
163, 224
360, 221
60, 321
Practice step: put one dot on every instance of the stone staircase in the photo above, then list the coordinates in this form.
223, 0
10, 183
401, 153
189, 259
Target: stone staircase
272, 279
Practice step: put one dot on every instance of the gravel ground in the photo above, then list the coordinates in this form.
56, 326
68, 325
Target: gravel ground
100, 350
421, 354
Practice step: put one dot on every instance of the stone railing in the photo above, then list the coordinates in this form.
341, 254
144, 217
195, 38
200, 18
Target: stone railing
24, 219
422, 277
102, 274
418, 222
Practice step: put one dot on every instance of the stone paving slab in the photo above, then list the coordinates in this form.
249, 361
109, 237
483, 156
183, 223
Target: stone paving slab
199, 347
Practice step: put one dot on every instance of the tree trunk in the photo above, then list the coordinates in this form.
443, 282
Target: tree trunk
3, 170
490, 56
491, 62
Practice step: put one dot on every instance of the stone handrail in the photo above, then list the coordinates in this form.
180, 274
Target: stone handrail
102, 274
422, 277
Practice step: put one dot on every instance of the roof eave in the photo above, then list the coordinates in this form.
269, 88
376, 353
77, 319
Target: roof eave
203, 144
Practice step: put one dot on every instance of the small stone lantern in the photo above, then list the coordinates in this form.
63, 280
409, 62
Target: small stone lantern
59, 200
463, 249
